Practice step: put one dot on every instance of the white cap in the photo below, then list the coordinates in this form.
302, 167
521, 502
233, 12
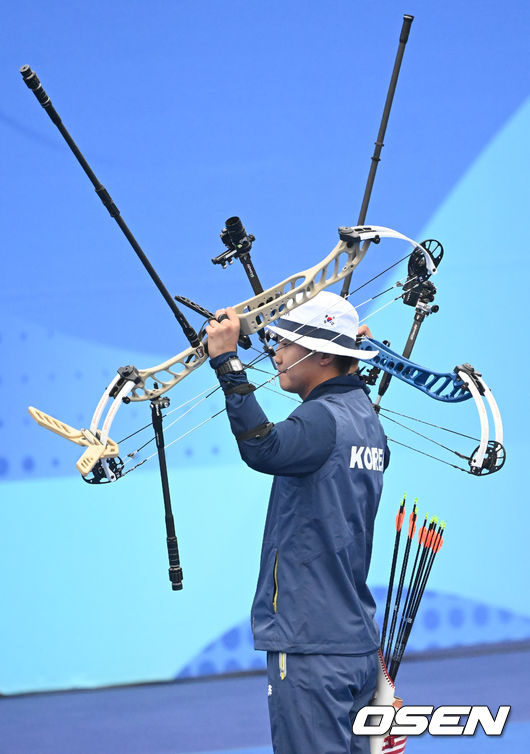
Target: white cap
327, 323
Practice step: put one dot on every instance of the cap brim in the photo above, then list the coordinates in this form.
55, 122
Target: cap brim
318, 344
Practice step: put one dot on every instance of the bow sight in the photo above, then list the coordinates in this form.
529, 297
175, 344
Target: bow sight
238, 244
235, 238
419, 292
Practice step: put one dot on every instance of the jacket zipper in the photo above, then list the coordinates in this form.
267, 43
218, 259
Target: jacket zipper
275, 576
282, 656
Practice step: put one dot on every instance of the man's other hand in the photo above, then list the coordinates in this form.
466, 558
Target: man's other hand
365, 331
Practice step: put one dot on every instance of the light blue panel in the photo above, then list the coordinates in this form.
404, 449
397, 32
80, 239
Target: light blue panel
482, 320
89, 598
443, 621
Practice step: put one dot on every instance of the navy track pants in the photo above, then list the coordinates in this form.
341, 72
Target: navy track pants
313, 700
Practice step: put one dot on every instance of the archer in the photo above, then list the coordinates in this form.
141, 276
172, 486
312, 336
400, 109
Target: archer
313, 612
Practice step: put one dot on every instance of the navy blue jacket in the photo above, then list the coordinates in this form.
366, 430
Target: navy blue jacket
328, 459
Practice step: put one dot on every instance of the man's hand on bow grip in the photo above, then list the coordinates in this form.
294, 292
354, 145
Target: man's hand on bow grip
223, 336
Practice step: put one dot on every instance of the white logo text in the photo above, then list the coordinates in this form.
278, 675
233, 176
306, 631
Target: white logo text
367, 458
444, 721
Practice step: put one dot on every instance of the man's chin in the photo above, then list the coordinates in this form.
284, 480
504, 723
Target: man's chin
286, 384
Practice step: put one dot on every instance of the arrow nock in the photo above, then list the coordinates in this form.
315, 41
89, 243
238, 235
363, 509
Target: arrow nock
401, 514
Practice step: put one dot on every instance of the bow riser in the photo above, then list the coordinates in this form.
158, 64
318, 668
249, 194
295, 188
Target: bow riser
442, 386
264, 308
187, 361
295, 290
261, 310
258, 311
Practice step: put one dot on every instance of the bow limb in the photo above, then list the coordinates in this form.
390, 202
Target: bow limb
489, 456
95, 449
462, 384
118, 389
99, 446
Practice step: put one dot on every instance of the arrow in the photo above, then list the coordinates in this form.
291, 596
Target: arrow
399, 523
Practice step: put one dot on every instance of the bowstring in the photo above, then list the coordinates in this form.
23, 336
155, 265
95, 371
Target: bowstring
425, 437
133, 453
429, 455
430, 424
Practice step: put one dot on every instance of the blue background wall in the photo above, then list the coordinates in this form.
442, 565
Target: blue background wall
190, 113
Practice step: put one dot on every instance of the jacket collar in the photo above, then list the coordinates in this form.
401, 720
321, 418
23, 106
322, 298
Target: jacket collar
341, 384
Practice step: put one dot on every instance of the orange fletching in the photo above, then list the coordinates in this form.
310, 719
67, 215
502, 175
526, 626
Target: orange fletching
412, 524
430, 534
423, 533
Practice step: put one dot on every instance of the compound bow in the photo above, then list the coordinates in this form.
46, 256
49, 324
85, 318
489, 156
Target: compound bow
100, 460
132, 384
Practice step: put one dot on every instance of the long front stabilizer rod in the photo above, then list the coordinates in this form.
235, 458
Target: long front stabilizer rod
33, 83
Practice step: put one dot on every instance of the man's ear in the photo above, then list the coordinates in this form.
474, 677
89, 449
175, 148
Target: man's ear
326, 359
